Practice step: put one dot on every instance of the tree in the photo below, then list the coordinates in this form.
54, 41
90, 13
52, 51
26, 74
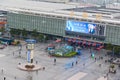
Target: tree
24, 32
40, 37
34, 33
116, 49
2, 29
15, 32
109, 46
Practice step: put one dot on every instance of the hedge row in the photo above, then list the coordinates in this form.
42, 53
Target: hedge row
71, 54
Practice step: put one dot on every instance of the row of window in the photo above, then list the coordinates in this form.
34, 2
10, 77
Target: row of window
55, 26
113, 34
42, 24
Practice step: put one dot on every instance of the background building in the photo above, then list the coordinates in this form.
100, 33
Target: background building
55, 18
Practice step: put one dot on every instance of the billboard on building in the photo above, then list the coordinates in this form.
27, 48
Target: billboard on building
82, 27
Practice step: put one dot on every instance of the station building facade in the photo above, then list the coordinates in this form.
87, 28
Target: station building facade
107, 31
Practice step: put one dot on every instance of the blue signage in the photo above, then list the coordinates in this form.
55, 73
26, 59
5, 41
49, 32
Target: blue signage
82, 27
28, 56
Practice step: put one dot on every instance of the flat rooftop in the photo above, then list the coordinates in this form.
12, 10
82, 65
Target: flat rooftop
61, 9
114, 13
100, 10
36, 5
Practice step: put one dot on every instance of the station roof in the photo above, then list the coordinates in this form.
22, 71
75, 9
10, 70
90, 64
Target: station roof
59, 9
42, 6
100, 10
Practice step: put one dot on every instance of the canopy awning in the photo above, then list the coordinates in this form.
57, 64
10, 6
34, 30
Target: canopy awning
58, 40
51, 45
89, 43
94, 44
84, 42
2, 22
74, 40
69, 40
32, 41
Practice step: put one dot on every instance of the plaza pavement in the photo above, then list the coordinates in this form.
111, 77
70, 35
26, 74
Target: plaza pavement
90, 69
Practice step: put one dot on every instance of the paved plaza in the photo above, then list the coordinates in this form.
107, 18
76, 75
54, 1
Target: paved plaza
86, 68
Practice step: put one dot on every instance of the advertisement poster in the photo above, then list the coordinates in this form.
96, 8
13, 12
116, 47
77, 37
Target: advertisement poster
82, 27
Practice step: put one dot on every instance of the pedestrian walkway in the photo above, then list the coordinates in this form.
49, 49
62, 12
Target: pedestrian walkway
78, 76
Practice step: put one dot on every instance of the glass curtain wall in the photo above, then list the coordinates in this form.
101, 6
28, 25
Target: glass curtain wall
41, 24
113, 34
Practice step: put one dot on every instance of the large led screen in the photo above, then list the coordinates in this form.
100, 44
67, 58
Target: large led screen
81, 27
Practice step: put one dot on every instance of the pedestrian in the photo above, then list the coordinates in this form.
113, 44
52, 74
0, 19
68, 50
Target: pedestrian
99, 65
107, 74
15, 77
20, 53
105, 61
76, 62
13, 53
84, 64
95, 59
91, 55
54, 61
72, 64
2, 71
43, 68
102, 58
4, 78
104, 76
26, 47
36, 62
19, 63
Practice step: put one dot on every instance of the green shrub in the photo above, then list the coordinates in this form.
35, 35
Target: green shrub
71, 54
57, 55
18, 42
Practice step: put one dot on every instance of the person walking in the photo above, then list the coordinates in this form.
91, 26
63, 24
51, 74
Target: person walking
99, 65
20, 53
2, 71
76, 62
19, 63
13, 53
36, 62
54, 61
95, 59
15, 77
83, 64
4, 78
43, 68
72, 64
